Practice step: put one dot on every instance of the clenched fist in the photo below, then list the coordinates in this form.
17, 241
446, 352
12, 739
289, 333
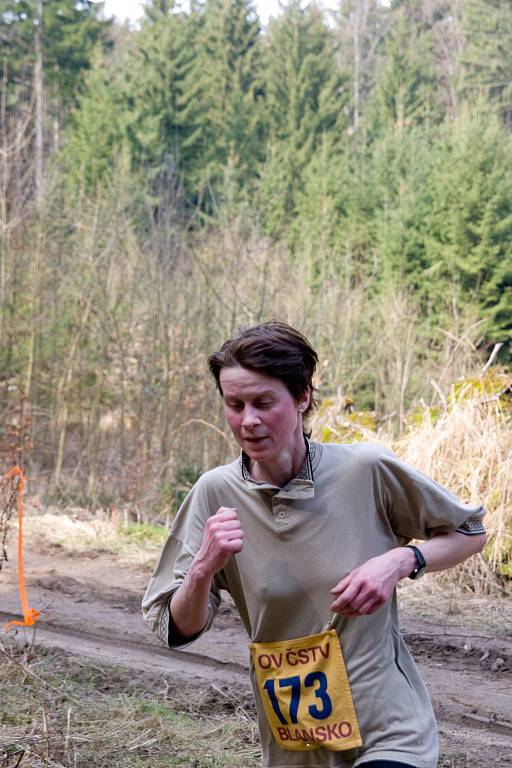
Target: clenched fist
223, 537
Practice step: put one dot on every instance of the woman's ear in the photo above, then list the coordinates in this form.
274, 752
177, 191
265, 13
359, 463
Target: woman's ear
304, 400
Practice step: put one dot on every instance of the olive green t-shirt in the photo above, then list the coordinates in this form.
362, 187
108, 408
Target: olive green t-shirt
349, 503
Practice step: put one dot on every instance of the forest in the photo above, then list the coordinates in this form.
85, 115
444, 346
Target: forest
163, 185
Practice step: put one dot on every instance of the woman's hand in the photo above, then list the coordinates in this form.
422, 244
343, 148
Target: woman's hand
371, 584
223, 536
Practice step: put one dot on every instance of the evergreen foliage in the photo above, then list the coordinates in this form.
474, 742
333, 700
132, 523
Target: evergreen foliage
95, 136
225, 79
305, 104
468, 219
405, 91
153, 72
70, 33
487, 54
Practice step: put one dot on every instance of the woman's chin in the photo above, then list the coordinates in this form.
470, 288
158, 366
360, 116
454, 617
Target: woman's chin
256, 449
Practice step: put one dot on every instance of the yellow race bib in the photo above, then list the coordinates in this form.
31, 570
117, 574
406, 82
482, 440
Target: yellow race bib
305, 691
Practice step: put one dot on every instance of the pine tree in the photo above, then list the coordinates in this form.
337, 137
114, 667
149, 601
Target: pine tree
405, 93
95, 136
468, 227
71, 32
305, 105
153, 72
400, 169
133, 106
17, 49
221, 93
47, 45
487, 54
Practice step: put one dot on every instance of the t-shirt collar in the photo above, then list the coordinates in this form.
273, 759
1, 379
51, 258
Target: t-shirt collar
300, 485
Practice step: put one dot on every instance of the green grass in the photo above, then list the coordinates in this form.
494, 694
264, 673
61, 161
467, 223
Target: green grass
143, 534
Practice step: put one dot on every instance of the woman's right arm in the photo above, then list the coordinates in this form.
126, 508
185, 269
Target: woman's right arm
223, 537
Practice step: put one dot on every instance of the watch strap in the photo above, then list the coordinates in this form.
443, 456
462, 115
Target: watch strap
421, 563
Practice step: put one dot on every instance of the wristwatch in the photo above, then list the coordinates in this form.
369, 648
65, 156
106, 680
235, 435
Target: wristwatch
421, 564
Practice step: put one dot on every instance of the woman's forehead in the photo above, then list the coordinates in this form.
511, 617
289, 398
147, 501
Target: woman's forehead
238, 379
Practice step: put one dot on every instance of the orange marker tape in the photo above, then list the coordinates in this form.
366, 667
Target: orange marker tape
30, 615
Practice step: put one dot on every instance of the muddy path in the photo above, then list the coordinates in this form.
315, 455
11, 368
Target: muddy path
90, 606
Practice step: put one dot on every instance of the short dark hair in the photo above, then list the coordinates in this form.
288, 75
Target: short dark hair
273, 348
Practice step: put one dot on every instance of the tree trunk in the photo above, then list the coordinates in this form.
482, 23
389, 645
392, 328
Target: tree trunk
39, 95
4, 181
357, 62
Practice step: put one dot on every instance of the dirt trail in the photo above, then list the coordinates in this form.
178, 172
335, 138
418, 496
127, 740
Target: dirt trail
90, 605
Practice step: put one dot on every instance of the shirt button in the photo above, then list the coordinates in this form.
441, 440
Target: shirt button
282, 514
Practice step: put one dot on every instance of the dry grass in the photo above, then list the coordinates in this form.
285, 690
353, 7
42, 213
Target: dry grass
455, 609
132, 544
469, 450
60, 711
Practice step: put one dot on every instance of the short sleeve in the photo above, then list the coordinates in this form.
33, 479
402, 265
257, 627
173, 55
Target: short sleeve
419, 507
183, 543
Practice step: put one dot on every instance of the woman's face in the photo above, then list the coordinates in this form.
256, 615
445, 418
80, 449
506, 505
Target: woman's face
262, 414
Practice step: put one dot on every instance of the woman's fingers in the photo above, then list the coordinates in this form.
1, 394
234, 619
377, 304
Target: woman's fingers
224, 525
235, 545
367, 587
345, 596
225, 513
360, 605
223, 537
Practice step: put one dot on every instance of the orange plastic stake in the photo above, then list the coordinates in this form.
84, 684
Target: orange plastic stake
30, 615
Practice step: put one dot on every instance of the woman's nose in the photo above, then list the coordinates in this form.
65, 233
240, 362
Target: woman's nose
250, 417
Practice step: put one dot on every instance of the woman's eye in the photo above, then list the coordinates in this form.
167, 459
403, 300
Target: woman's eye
264, 404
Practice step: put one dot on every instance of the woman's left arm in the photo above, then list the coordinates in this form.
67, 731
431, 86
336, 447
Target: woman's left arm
370, 585
446, 550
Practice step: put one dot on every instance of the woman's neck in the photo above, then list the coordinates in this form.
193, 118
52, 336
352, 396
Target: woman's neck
281, 470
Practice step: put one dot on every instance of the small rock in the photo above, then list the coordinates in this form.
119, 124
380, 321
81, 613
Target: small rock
497, 664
